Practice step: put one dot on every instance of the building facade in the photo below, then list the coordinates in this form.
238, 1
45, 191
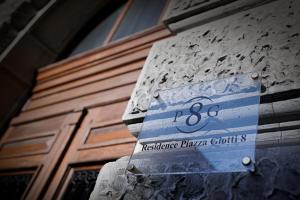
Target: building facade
86, 111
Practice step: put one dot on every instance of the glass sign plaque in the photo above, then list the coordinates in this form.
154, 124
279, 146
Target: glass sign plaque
200, 128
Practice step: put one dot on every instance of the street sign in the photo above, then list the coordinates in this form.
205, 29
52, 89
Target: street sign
200, 128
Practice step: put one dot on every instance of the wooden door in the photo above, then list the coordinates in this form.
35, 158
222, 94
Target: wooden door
102, 137
71, 125
29, 153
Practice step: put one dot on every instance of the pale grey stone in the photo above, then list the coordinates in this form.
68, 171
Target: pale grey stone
178, 9
135, 128
266, 110
263, 40
268, 127
274, 152
285, 125
272, 138
287, 106
291, 136
111, 182
202, 16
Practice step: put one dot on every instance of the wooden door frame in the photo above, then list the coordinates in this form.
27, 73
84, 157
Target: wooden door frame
43, 163
76, 157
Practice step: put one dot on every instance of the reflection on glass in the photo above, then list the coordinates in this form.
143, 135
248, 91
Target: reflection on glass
98, 35
205, 127
141, 15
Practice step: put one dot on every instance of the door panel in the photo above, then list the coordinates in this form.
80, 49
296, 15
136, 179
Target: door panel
101, 138
32, 146
105, 135
33, 150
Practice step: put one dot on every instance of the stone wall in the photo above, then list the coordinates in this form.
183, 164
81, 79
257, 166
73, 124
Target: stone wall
276, 178
263, 40
223, 39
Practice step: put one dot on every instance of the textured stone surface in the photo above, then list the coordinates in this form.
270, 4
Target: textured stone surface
264, 40
276, 177
111, 182
183, 15
179, 9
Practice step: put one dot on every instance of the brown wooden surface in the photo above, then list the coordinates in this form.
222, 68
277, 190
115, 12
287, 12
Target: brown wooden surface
112, 50
73, 119
91, 79
95, 68
76, 154
40, 151
80, 91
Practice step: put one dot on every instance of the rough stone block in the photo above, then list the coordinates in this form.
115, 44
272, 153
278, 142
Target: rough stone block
111, 182
264, 39
198, 17
276, 177
291, 136
180, 9
273, 138
290, 124
287, 106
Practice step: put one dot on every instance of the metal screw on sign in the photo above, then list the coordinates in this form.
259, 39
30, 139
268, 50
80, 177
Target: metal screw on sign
254, 75
156, 94
246, 161
131, 168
